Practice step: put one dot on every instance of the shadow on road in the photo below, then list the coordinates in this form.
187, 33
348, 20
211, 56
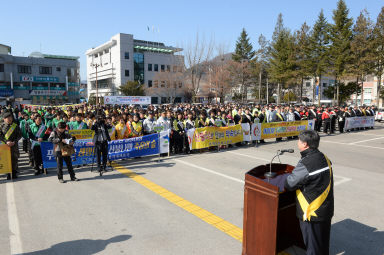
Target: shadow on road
79, 247
352, 237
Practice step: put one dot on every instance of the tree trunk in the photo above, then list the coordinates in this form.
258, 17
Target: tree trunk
278, 93
319, 92
357, 88
301, 90
378, 90
260, 86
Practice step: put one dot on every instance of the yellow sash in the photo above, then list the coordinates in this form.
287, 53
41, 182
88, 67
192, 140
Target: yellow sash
10, 131
310, 209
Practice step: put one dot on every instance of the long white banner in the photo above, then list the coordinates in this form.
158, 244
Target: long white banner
359, 122
127, 100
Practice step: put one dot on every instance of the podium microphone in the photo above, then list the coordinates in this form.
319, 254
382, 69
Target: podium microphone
271, 174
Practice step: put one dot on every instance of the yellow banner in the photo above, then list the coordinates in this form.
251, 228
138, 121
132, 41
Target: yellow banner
82, 133
5, 159
216, 136
283, 129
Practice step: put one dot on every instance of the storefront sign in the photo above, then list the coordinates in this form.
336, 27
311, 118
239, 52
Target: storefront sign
39, 78
40, 92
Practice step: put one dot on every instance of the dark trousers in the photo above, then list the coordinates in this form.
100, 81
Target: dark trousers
327, 126
178, 142
318, 125
25, 145
316, 236
102, 148
68, 162
341, 126
38, 160
30, 152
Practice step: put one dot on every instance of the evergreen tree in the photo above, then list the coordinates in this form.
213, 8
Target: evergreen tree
361, 49
318, 51
282, 57
132, 88
302, 38
244, 50
378, 50
243, 55
341, 37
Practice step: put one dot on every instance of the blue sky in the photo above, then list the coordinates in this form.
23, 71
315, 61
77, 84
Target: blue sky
71, 27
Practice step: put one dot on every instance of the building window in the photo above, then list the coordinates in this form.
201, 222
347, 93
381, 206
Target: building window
58, 69
156, 84
156, 67
367, 91
96, 55
126, 73
180, 69
168, 68
138, 63
45, 70
174, 69
162, 68
180, 84
149, 67
24, 69
307, 84
162, 84
106, 51
149, 84
1, 68
126, 55
367, 101
324, 85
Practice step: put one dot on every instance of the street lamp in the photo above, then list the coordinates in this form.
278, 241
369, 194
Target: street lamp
97, 89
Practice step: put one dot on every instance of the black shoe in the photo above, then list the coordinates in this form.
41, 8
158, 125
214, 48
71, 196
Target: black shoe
61, 181
75, 179
14, 176
37, 172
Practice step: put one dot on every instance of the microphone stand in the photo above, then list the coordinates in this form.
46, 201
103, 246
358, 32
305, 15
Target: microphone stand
271, 174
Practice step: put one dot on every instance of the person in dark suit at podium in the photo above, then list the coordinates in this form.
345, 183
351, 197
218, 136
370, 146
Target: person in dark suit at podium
312, 179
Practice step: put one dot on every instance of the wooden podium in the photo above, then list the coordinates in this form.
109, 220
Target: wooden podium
270, 222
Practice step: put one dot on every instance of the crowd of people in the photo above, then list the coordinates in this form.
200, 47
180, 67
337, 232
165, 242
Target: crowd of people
112, 122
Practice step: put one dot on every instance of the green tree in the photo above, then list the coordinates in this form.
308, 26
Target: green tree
318, 51
345, 92
361, 49
92, 99
132, 88
289, 97
341, 37
282, 56
243, 55
378, 50
244, 49
303, 68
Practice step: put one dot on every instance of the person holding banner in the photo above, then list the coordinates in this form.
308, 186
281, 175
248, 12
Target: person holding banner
121, 130
60, 138
100, 140
10, 134
37, 135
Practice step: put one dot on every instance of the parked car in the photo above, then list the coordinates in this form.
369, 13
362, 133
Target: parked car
380, 115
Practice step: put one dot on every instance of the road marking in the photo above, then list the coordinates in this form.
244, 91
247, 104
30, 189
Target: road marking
344, 179
213, 220
199, 212
209, 171
248, 156
367, 140
365, 146
14, 227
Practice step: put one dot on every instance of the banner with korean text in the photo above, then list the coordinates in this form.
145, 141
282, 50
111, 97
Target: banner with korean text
82, 134
261, 131
359, 122
127, 100
214, 136
5, 159
117, 149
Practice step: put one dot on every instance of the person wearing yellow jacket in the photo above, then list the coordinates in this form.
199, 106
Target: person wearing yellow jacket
121, 131
136, 126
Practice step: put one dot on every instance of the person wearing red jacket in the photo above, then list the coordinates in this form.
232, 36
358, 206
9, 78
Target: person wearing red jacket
326, 117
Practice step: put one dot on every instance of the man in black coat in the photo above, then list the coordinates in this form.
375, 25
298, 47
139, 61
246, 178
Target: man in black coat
100, 140
312, 179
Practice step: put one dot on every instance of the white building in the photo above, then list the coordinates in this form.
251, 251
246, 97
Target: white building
124, 58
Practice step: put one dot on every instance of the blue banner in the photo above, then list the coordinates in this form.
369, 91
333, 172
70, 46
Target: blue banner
117, 149
6, 92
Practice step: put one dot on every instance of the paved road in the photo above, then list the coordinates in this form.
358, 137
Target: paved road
184, 204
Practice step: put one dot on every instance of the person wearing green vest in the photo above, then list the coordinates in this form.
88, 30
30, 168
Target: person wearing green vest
24, 132
10, 134
37, 135
79, 123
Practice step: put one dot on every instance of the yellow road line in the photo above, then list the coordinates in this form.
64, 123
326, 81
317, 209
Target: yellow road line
199, 212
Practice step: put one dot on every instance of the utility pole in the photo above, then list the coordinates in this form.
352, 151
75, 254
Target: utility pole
97, 89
